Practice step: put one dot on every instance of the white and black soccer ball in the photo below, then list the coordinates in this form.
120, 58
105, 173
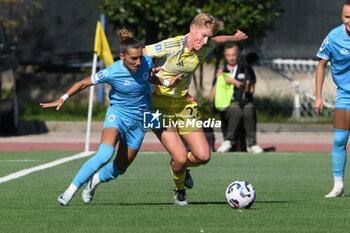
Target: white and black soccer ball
240, 194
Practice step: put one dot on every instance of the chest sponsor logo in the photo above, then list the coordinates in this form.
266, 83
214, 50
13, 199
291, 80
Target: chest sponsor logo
127, 82
344, 51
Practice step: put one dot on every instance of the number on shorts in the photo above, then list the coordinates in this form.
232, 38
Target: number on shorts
192, 109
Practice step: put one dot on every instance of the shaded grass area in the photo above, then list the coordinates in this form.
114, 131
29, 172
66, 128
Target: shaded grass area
289, 186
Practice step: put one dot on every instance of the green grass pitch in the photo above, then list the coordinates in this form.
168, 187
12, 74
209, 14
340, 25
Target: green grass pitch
290, 191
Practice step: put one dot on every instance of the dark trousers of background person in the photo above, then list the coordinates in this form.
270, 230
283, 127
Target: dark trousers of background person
235, 116
240, 139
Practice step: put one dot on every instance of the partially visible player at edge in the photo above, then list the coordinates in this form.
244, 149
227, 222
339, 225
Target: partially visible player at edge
336, 48
182, 55
130, 97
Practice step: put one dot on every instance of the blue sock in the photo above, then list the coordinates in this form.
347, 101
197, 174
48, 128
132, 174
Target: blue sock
109, 172
339, 151
104, 154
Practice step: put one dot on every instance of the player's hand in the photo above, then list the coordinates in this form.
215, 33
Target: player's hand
175, 81
155, 70
318, 106
219, 72
58, 104
239, 36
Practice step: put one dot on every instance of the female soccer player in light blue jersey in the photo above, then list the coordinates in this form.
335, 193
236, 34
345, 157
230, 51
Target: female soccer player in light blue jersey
336, 48
129, 97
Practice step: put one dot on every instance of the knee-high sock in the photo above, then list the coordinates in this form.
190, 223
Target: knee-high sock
339, 151
109, 172
178, 180
189, 163
104, 154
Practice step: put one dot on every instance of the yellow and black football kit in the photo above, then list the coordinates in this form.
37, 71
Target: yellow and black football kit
174, 57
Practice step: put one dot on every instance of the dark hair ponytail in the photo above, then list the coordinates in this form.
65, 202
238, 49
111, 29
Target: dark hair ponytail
127, 40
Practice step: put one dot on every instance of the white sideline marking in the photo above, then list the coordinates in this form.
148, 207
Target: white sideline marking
44, 166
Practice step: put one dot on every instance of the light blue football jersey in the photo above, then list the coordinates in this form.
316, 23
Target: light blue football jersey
130, 91
336, 48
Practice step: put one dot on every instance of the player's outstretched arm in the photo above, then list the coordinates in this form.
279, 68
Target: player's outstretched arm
237, 37
76, 88
154, 79
320, 72
175, 81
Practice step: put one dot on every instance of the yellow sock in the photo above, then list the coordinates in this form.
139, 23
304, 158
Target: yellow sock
178, 180
189, 163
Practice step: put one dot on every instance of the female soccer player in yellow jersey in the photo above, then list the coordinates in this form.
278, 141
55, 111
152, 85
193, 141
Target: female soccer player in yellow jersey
182, 55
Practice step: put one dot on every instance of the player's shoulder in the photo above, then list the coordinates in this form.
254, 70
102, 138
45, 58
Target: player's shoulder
177, 38
174, 42
148, 60
336, 32
116, 66
108, 73
117, 69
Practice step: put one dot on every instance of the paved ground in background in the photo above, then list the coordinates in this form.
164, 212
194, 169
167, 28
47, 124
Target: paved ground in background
72, 135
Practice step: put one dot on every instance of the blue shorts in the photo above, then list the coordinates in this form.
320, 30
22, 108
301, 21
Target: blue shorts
131, 131
342, 101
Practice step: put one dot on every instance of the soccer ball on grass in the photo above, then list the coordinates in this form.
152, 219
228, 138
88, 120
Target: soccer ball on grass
240, 194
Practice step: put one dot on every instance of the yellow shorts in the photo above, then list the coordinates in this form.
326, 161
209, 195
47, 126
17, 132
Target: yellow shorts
181, 113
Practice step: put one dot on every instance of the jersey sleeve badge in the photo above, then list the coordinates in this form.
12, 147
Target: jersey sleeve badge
158, 47
100, 75
324, 44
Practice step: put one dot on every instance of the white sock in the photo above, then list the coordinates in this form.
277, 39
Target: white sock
95, 180
339, 182
71, 190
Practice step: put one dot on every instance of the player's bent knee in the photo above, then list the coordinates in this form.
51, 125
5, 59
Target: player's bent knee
202, 156
340, 139
340, 143
205, 159
180, 161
